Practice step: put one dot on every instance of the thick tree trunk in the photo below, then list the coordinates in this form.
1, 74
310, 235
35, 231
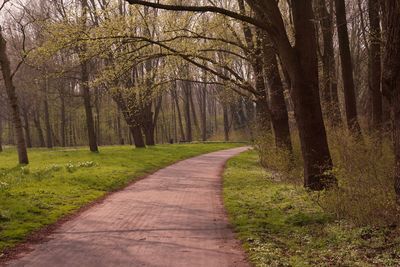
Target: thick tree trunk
36, 121
347, 68
391, 76
375, 64
137, 136
302, 66
88, 107
49, 137
13, 101
279, 114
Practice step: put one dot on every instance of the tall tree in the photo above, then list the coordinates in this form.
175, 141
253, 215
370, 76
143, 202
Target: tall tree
391, 76
13, 100
375, 63
347, 68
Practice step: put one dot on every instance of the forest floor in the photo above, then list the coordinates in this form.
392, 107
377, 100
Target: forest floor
58, 182
280, 225
173, 217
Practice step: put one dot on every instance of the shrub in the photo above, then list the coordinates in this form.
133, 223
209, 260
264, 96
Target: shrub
364, 169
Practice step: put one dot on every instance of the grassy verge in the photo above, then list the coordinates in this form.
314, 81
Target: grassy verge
280, 225
59, 181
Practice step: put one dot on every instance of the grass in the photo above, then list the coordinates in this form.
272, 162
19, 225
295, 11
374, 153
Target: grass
281, 225
60, 181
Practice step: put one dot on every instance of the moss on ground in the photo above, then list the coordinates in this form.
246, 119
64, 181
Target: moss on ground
281, 224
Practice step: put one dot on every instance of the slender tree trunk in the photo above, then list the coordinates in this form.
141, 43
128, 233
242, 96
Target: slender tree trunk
188, 121
347, 68
329, 92
119, 128
27, 128
36, 121
13, 101
226, 121
375, 64
63, 118
203, 113
88, 107
49, 137
178, 110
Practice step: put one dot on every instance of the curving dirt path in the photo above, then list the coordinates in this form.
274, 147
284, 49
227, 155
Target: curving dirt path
174, 217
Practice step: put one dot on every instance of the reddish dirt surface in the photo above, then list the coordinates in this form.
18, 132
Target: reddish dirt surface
174, 217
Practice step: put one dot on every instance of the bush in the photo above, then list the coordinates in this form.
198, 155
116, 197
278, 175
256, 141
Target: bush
364, 169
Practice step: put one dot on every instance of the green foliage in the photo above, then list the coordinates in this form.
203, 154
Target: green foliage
59, 181
280, 224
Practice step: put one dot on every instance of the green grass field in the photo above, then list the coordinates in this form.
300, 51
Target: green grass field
59, 181
281, 225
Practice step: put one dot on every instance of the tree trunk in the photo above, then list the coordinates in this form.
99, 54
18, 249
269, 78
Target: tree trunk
279, 114
49, 137
27, 128
347, 68
188, 121
119, 128
88, 107
391, 76
36, 121
13, 101
137, 136
375, 64
302, 66
226, 122
1, 134
178, 110
329, 91
63, 118
203, 112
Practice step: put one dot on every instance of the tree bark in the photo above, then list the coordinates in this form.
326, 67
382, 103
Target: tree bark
329, 92
27, 128
36, 121
13, 101
188, 121
226, 121
375, 64
63, 118
279, 114
391, 77
302, 66
88, 107
347, 68
1, 134
49, 137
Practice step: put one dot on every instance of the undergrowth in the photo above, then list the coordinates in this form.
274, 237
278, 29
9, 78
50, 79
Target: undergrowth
280, 224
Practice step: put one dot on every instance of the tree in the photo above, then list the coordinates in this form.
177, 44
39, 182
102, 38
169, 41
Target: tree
347, 68
391, 76
13, 100
301, 63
